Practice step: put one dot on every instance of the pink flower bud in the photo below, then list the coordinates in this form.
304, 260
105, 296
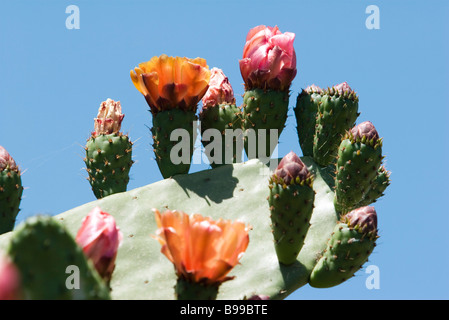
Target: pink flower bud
365, 129
219, 91
100, 238
109, 118
313, 88
291, 169
269, 59
343, 88
10, 284
6, 161
363, 218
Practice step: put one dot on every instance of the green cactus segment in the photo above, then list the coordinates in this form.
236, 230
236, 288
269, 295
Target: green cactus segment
337, 113
306, 112
108, 162
346, 252
225, 119
187, 290
378, 187
237, 191
356, 170
291, 207
10, 197
164, 123
262, 111
51, 264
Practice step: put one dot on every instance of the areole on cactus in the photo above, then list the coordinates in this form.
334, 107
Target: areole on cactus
236, 231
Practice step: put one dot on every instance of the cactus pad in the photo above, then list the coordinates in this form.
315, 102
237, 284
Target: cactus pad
337, 113
306, 110
42, 250
237, 191
108, 162
164, 123
223, 117
10, 197
348, 248
262, 111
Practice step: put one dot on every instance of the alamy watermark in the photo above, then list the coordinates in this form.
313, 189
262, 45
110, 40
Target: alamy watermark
256, 142
73, 20
373, 280
72, 282
373, 20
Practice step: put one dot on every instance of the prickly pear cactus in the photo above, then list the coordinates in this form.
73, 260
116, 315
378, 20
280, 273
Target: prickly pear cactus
310, 219
358, 163
263, 110
348, 248
337, 113
44, 251
10, 191
306, 110
291, 204
108, 152
108, 162
164, 123
223, 118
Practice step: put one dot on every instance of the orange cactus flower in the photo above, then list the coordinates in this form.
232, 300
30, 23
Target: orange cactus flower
202, 250
172, 82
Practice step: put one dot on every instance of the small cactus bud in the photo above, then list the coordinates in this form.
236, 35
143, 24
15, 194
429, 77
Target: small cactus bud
343, 88
109, 118
99, 237
364, 219
219, 91
313, 88
291, 169
365, 129
6, 161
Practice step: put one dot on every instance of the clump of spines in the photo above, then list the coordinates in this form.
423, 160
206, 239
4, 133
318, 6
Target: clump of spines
348, 248
291, 204
11, 191
108, 152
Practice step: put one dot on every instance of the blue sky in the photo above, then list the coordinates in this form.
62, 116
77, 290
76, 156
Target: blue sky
52, 81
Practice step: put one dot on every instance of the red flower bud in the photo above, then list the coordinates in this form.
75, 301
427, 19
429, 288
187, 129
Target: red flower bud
100, 238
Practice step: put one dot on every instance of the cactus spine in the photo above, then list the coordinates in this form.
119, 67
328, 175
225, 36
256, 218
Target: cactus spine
10, 191
108, 152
